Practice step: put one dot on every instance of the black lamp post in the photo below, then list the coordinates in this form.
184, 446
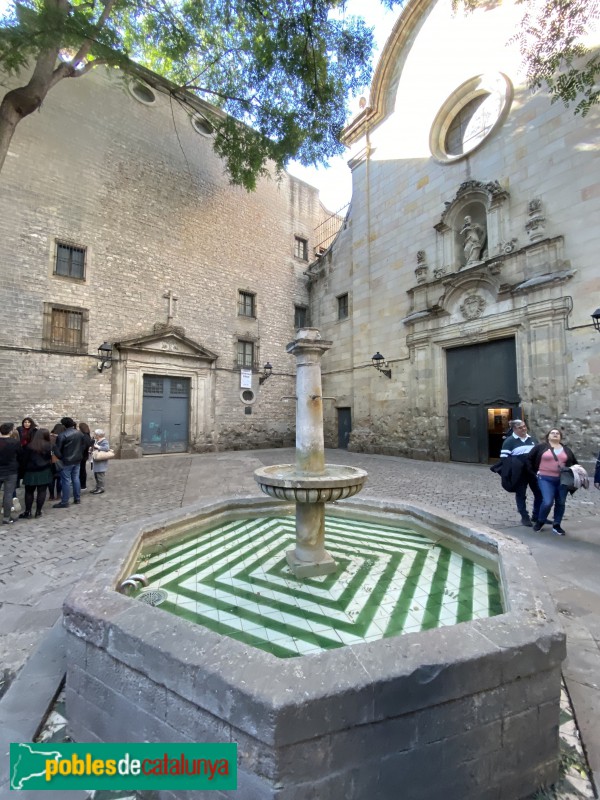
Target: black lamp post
104, 356
267, 372
380, 365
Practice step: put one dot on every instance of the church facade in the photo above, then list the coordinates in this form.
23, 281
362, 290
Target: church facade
468, 264
141, 292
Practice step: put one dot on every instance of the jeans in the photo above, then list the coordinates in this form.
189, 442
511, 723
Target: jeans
99, 476
10, 484
552, 492
530, 480
69, 474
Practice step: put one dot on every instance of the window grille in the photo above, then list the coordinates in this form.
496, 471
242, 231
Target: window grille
300, 317
246, 304
179, 388
153, 386
245, 354
301, 248
66, 328
70, 261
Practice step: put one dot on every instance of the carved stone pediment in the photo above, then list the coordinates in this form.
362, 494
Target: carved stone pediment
167, 340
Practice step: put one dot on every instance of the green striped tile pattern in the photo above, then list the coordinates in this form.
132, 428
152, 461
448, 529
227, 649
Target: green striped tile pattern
234, 579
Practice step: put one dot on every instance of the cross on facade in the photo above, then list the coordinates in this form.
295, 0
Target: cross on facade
171, 309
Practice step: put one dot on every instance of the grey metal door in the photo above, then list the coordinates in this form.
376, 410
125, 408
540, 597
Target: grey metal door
165, 414
480, 377
344, 427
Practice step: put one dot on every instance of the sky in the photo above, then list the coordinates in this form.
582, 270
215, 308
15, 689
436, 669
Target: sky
335, 180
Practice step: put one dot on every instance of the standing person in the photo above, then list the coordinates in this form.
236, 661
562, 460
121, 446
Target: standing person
10, 460
518, 444
597, 473
55, 482
37, 465
546, 461
87, 444
69, 450
26, 430
100, 467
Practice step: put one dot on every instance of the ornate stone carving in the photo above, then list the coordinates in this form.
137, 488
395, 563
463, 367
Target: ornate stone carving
439, 272
507, 247
473, 306
536, 224
422, 268
495, 267
474, 238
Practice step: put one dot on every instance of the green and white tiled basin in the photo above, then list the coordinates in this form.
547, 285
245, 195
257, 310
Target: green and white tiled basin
332, 687
234, 579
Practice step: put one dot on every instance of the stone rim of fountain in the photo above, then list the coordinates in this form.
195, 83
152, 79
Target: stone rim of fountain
183, 656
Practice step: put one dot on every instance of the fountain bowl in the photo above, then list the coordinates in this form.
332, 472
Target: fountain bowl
466, 712
285, 482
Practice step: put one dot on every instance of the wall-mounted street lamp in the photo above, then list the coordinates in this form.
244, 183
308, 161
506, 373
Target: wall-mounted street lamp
104, 356
267, 372
380, 365
596, 319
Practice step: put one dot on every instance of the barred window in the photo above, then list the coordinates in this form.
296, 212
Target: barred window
301, 248
246, 304
300, 316
342, 306
65, 328
245, 354
70, 261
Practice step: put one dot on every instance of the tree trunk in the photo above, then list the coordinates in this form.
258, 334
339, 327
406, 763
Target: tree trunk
16, 104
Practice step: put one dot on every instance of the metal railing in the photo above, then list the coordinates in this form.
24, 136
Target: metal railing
327, 230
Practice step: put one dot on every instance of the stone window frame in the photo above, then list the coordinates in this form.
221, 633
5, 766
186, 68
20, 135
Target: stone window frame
201, 124
300, 248
343, 306
246, 340
300, 308
48, 341
496, 83
137, 83
61, 242
246, 302
248, 396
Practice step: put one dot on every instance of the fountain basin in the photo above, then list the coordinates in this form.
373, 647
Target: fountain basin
478, 700
283, 482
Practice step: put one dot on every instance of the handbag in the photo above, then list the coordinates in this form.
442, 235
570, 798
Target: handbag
103, 455
566, 477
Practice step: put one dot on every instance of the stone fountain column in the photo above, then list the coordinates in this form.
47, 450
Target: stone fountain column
309, 558
310, 482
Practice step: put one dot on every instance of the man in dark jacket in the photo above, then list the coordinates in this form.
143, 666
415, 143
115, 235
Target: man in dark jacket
597, 473
10, 458
518, 445
69, 450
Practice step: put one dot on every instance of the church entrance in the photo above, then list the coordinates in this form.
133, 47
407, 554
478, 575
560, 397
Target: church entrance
482, 398
165, 414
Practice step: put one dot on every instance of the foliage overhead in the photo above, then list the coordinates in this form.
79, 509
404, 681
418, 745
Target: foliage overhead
551, 41
284, 67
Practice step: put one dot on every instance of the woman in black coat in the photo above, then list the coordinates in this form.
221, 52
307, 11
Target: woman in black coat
88, 442
37, 462
546, 460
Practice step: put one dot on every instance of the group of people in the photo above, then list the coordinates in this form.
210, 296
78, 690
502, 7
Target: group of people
541, 467
52, 462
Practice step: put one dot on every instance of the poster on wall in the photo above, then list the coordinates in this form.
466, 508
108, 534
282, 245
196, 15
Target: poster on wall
245, 379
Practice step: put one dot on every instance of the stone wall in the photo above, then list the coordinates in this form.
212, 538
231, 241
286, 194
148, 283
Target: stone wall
141, 189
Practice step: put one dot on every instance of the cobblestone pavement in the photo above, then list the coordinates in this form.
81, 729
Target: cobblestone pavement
41, 558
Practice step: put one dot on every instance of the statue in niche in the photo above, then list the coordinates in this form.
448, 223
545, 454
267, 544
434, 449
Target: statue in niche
474, 240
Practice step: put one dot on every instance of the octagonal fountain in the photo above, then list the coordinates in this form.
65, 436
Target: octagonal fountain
417, 656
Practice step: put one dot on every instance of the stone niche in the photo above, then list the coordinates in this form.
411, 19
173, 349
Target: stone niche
468, 712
